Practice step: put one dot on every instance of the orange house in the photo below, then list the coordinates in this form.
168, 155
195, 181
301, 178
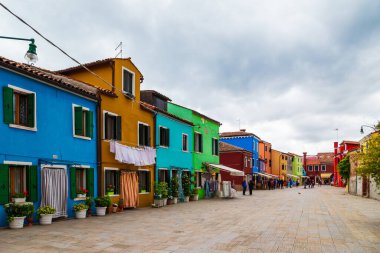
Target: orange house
265, 151
124, 121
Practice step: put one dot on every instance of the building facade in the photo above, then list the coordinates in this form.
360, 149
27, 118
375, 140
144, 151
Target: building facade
48, 149
340, 151
320, 167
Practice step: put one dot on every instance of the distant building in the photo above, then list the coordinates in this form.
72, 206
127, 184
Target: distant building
265, 159
339, 153
319, 166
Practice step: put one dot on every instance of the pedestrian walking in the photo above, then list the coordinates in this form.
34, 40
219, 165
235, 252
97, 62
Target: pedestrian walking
244, 184
250, 186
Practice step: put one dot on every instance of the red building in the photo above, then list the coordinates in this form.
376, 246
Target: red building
339, 153
319, 167
237, 158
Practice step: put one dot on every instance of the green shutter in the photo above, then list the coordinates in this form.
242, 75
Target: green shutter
89, 124
8, 105
141, 134
31, 109
73, 183
200, 143
78, 120
117, 182
118, 128
90, 181
168, 137
147, 135
4, 183
32, 183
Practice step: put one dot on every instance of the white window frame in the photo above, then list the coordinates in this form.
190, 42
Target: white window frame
159, 136
104, 176
310, 168
216, 148
323, 167
133, 81
73, 118
316, 166
35, 109
245, 161
187, 143
104, 122
138, 133
149, 182
195, 132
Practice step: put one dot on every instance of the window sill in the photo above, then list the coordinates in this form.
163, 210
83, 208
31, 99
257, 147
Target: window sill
34, 129
129, 95
166, 147
144, 193
115, 195
186, 151
82, 137
79, 199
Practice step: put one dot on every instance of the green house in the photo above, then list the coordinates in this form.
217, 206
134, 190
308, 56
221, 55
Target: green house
205, 148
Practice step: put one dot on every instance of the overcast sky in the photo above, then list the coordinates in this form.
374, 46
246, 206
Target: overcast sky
291, 71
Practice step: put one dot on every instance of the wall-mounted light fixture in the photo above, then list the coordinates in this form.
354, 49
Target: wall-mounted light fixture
31, 54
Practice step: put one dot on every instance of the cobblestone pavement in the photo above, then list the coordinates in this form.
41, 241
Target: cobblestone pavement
324, 219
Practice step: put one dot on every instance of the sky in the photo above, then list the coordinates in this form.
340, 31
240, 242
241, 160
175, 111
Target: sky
292, 72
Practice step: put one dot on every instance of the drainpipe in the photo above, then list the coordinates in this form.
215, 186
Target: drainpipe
99, 144
113, 75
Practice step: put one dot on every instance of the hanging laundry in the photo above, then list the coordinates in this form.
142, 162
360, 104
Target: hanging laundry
136, 156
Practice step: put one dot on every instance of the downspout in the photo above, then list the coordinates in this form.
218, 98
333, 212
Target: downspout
113, 75
99, 144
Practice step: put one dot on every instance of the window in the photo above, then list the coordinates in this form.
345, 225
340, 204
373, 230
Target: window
144, 181
198, 142
164, 137
163, 176
83, 122
310, 168
245, 161
80, 178
17, 179
185, 142
270, 163
144, 134
282, 166
128, 82
112, 126
198, 179
253, 162
19, 107
323, 167
265, 148
316, 167
215, 146
112, 178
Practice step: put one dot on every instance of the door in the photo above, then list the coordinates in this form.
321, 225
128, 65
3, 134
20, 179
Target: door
55, 190
365, 186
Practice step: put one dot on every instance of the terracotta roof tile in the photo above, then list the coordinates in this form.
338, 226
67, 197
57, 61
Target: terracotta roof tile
154, 108
225, 147
237, 134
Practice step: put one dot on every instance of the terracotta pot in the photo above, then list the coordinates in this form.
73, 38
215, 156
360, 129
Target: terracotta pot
109, 210
89, 212
30, 221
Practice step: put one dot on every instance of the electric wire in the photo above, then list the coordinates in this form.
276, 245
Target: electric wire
50, 42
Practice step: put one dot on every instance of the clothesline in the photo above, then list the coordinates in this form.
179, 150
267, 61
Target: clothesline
137, 156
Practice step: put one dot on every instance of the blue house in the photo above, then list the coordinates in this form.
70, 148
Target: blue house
173, 138
48, 138
247, 141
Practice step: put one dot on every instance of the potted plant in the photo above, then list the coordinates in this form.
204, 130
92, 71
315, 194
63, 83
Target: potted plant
89, 201
164, 192
158, 202
194, 194
186, 184
80, 210
143, 190
101, 204
120, 203
19, 197
110, 189
29, 210
82, 192
114, 207
16, 213
174, 189
45, 214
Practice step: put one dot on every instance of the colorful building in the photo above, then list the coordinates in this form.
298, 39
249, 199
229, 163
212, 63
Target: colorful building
297, 168
48, 138
265, 153
125, 127
205, 147
280, 163
173, 139
339, 153
245, 140
236, 158
319, 167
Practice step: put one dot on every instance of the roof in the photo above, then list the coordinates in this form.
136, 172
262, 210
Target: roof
154, 108
200, 114
96, 63
225, 147
237, 134
51, 77
157, 94
350, 142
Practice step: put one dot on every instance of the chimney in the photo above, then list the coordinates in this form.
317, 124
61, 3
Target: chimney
242, 130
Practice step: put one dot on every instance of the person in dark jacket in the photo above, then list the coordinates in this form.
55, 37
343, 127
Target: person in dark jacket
250, 186
244, 184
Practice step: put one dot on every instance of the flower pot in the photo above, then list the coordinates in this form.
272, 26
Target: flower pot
101, 210
46, 219
170, 202
81, 195
194, 197
81, 214
175, 200
30, 221
114, 209
18, 222
164, 202
186, 199
159, 202
109, 210
18, 200
110, 193
89, 212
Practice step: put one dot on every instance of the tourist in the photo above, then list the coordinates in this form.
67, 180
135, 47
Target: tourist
250, 186
244, 184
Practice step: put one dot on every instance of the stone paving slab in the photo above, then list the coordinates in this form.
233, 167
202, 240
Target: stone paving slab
323, 219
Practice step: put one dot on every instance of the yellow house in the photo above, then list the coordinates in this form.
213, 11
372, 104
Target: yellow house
280, 163
123, 123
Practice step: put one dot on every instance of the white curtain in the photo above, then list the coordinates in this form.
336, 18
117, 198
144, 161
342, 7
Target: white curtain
54, 190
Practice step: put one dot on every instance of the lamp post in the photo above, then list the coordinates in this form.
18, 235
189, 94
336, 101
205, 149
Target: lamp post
31, 54
362, 131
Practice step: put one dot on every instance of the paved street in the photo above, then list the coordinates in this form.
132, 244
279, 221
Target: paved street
323, 219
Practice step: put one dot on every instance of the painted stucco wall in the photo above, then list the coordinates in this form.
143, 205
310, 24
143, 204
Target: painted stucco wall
54, 135
297, 165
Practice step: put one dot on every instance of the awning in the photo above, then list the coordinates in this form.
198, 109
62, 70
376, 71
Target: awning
305, 176
290, 175
233, 172
265, 174
326, 175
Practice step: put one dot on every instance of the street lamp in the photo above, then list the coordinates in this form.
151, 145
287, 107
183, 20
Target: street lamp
31, 54
362, 131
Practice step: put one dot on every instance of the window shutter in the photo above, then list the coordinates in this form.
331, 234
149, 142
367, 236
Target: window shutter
106, 126
90, 181
147, 181
168, 137
4, 184
148, 136
31, 106
200, 143
141, 134
117, 182
8, 105
118, 128
89, 124
73, 183
32, 183
161, 136
78, 120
